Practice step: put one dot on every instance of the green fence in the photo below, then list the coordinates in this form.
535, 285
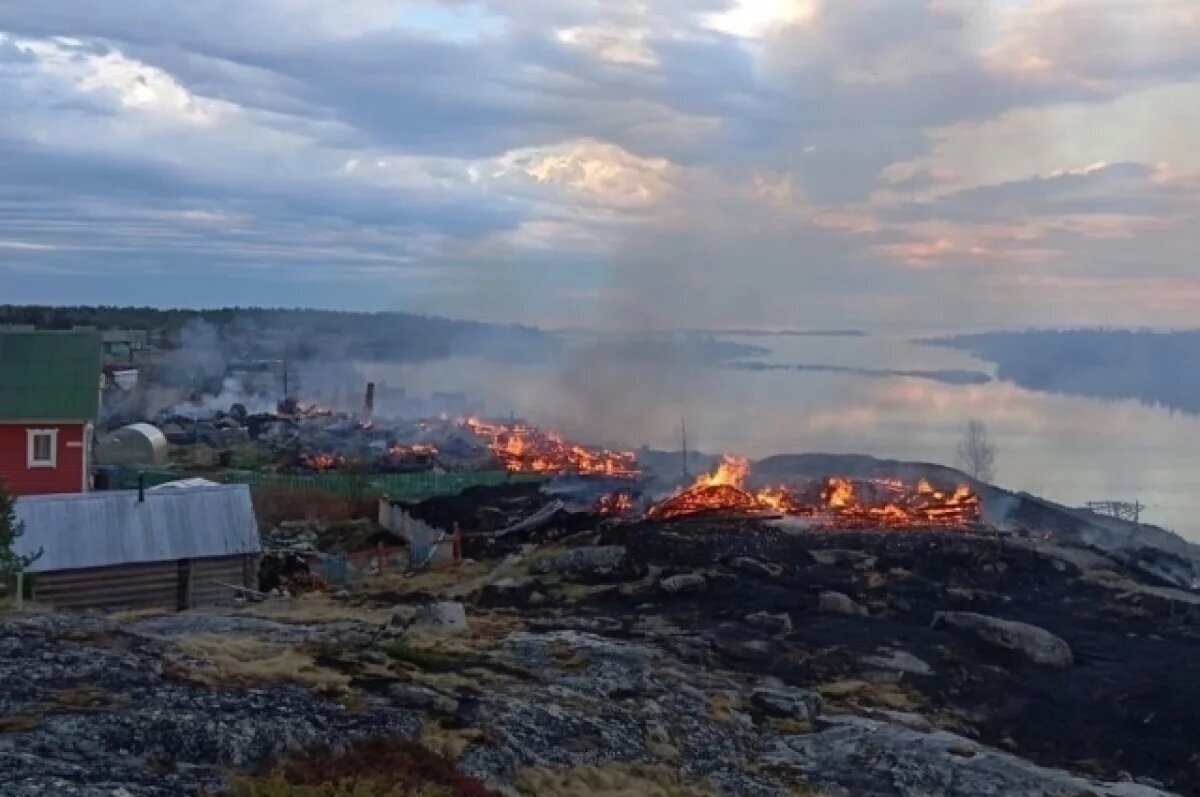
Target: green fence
400, 486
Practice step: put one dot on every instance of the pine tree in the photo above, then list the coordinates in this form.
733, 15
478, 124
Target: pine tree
11, 529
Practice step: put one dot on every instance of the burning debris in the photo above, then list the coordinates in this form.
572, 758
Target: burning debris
613, 504
469, 444
527, 449
835, 502
319, 463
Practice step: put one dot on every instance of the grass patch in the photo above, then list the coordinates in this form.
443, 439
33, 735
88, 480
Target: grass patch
18, 723
449, 743
277, 785
484, 631
87, 698
567, 657
429, 581
614, 780
246, 661
790, 727
316, 608
855, 693
421, 658
127, 616
7, 605
371, 769
721, 706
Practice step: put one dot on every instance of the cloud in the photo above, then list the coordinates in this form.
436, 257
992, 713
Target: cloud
1099, 45
661, 162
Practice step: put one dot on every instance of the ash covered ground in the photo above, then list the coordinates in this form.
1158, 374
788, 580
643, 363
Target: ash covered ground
718, 657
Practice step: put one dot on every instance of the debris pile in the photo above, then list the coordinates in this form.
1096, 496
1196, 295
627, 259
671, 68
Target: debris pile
527, 449
834, 502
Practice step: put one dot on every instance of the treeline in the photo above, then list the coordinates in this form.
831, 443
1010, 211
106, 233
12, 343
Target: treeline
263, 331
106, 317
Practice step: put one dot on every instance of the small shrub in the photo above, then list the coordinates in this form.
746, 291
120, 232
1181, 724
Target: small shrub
85, 698
613, 780
18, 723
277, 785
418, 657
240, 661
370, 769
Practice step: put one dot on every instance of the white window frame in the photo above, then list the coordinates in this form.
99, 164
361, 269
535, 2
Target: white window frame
31, 461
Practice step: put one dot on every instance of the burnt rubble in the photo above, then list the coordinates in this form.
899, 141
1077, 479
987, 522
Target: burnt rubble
308, 439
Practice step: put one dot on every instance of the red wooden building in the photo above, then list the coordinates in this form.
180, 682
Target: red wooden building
49, 401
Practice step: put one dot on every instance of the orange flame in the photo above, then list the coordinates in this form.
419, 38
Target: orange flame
731, 471
841, 502
321, 462
414, 450
527, 449
613, 504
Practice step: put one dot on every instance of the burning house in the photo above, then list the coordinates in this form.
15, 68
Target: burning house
835, 501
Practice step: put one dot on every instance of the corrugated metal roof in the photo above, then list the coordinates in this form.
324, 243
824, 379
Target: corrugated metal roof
50, 375
111, 528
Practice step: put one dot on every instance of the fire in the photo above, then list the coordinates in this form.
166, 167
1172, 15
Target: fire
321, 462
837, 502
731, 471
720, 491
613, 504
883, 502
527, 449
415, 451
838, 493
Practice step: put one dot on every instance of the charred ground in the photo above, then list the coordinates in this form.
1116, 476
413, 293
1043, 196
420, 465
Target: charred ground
1128, 704
701, 658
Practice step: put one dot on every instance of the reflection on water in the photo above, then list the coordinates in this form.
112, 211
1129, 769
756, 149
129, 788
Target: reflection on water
1068, 449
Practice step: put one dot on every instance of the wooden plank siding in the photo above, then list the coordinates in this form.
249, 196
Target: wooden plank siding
173, 585
205, 572
69, 473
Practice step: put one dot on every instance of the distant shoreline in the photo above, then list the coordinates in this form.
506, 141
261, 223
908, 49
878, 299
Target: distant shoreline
1156, 368
945, 376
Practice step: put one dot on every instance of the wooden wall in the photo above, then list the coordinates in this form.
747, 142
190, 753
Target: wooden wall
70, 473
161, 585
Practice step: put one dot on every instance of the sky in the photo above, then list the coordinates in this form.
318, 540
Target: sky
916, 164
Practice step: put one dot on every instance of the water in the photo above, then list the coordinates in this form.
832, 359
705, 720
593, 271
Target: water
1067, 449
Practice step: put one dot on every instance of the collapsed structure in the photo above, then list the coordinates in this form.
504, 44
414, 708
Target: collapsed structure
835, 501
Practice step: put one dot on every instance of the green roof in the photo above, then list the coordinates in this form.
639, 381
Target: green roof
50, 376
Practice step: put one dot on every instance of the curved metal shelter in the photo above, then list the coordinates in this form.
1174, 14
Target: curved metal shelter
138, 444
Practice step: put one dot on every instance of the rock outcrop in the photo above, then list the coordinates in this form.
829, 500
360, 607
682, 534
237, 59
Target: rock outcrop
868, 758
1037, 644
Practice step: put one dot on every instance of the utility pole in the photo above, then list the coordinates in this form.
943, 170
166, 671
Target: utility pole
683, 430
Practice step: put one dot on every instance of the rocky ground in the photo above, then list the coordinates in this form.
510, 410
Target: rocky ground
721, 658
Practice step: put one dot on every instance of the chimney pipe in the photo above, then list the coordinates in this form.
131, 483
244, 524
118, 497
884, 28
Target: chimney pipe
369, 404
141, 488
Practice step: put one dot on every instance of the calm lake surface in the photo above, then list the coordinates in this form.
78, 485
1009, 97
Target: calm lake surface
1067, 449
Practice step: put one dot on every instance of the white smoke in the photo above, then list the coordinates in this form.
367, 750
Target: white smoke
232, 392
